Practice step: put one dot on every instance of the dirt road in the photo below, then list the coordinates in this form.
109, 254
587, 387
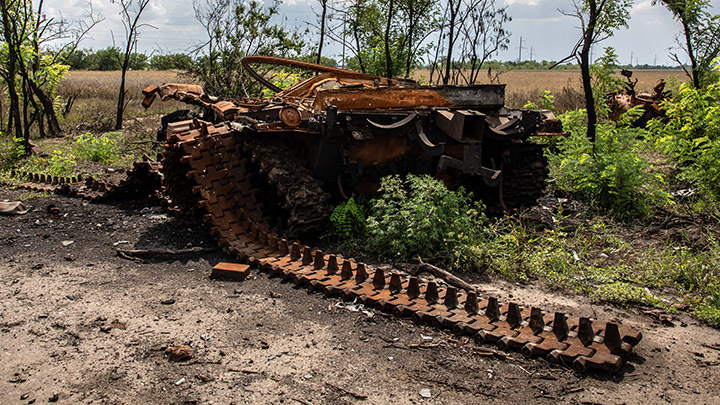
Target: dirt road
78, 321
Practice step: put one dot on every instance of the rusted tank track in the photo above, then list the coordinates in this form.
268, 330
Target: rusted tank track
212, 158
142, 180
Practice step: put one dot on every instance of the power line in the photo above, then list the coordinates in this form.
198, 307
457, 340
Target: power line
520, 48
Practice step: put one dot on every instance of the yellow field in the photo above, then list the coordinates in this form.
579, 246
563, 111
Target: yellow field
89, 84
566, 85
96, 92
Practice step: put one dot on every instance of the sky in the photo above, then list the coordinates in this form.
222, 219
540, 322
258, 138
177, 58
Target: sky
545, 31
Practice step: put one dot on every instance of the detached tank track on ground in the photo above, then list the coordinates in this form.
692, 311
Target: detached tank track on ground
224, 191
141, 181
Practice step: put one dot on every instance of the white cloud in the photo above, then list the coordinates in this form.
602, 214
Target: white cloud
551, 35
522, 2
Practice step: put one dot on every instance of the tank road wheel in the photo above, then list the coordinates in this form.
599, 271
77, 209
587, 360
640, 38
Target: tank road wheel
523, 175
524, 170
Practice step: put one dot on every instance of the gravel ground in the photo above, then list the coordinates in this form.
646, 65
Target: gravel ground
80, 322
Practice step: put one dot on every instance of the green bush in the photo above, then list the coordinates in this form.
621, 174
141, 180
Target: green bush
614, 174
101, 149
11, 151
691, 135
420, 217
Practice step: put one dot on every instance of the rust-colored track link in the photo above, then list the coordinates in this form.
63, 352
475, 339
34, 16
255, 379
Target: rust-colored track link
142, 180
220, 173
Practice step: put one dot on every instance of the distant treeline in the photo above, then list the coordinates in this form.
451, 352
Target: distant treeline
111, 59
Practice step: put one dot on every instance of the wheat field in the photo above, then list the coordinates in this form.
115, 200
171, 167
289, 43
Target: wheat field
527, 85
95, 92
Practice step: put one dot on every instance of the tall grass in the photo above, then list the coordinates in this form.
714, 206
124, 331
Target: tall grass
95, 97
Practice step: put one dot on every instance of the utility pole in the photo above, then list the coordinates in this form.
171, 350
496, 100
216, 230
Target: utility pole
343, 47
531, 54
655, 60
520, 52
631, 57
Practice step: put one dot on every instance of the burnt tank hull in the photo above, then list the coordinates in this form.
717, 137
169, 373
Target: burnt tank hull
348, 130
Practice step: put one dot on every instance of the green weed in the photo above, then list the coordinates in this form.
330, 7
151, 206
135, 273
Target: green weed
623, 294
101, 148
420, 217
348, 218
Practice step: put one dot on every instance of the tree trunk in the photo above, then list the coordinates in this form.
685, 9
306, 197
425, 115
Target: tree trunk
25, 113
12, 71
585, 72
121, 93
411, 29
356, 35
48, 108
691, 55
451, 42
322, 30
388, 57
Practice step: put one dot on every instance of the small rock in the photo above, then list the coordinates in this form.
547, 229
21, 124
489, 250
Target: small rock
237, 291
308, 376
425, 393
42, 316
24, 396
69, 258
67, 242
180, 381
203, 378
38, 266
427, 338
55, 396
179, 352
264, 345
168, 301
696, 391
274, 294
118, 325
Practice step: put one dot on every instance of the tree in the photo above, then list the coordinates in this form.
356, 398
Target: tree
323, 15
30, 72
475, 29
130, 13
235, 29
173, 61
104, 59
388, 37
598, 21
701, 32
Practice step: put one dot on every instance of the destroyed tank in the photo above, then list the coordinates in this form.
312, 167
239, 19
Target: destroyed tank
337, 133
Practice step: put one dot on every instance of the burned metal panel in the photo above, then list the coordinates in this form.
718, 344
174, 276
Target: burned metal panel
461, 125
410, 98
